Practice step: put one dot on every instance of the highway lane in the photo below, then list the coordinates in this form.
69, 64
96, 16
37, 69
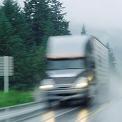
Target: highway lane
23, 110
68, 114
61, 115
109, 110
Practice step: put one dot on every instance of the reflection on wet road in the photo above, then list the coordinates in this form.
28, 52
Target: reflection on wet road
48, 117
67, 114
82, 115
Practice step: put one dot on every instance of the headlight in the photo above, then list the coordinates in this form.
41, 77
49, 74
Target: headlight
47, 84
81, 83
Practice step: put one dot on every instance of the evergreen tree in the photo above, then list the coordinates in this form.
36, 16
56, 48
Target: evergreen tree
58, 18
46, 18
83, 30
16, 17
14, 34
5, 34
23, 33
10, 44
37, 14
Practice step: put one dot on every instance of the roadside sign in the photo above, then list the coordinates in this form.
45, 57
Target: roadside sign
6, 70
6, 63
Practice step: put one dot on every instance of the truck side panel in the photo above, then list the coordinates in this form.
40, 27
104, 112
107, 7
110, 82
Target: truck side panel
101, 69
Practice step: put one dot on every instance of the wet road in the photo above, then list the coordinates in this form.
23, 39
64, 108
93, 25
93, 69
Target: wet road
109, 110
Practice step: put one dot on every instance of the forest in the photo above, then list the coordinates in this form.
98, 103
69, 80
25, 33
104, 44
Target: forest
23, 34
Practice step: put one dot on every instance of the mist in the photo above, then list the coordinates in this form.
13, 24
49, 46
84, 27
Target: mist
102, 19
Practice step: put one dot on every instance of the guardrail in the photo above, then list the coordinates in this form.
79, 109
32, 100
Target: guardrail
9, 114
19, 106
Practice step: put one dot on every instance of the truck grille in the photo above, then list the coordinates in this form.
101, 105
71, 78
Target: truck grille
64, 80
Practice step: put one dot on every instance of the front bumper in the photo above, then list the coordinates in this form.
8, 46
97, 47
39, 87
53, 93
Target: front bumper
70, 94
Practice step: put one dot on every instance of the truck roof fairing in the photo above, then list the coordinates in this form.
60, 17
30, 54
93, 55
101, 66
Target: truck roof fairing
67, 46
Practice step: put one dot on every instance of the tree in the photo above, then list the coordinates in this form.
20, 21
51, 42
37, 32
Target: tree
46, 19
14, 34
37, 14
83, 30
10, 44
14, 15
23, 34
58, 18
5, 34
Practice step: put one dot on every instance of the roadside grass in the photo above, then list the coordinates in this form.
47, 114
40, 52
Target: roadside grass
14, 98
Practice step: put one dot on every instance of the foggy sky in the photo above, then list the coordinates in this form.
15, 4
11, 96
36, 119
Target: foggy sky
96, 13
103, 18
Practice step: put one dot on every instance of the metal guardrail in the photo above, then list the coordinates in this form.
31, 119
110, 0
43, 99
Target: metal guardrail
19, 106
21, 115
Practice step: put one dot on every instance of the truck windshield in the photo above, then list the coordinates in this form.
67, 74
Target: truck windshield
66, 64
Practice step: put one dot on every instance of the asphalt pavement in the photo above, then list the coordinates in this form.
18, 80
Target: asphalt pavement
106, 108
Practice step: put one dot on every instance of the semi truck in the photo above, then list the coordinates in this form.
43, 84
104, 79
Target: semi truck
76, 67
